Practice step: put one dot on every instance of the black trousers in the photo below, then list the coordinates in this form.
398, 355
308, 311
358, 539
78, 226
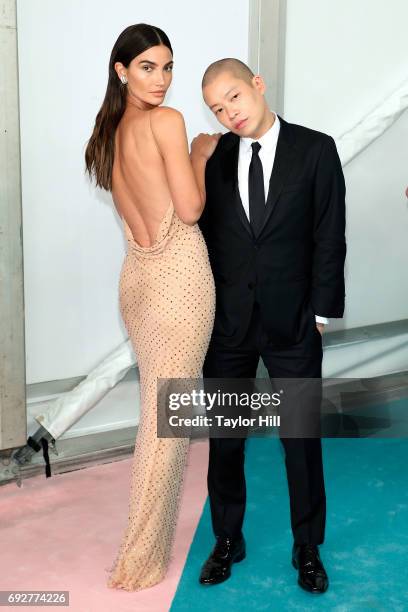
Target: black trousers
303, 456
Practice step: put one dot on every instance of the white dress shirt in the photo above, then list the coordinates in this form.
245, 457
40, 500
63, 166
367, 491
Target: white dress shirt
267, 153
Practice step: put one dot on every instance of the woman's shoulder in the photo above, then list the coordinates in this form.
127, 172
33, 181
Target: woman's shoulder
166, 117
165, 111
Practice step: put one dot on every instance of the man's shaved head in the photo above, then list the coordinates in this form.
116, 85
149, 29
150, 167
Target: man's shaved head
229, 64
236, 96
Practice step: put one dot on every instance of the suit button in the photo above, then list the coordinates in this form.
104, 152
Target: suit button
256, 247
251, 285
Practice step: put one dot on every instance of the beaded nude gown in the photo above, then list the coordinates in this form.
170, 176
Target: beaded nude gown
167, 302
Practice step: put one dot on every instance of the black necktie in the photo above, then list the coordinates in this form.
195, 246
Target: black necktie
256, 190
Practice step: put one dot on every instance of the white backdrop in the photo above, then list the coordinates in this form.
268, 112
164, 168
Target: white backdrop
73, 241
343, 58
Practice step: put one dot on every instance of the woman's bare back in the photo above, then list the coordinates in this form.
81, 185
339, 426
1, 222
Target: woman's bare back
140, 188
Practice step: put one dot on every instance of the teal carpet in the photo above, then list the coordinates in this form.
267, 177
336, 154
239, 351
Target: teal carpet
366, 548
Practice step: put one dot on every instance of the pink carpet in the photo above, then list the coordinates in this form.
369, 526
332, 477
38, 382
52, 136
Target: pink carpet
63, 533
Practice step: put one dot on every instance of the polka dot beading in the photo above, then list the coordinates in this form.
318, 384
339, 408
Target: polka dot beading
167, 302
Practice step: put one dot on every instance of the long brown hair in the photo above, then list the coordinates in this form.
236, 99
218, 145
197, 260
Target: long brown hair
100, 150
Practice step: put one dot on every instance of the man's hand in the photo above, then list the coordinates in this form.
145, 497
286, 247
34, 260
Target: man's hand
204, 145
320, 327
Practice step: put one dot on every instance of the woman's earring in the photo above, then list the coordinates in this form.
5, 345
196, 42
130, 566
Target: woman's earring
123, 79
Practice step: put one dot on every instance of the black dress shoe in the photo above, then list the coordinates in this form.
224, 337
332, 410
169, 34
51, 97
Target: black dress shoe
217, 568
312, 575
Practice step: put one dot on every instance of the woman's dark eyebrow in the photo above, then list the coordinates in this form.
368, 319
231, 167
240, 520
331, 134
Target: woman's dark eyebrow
154, 63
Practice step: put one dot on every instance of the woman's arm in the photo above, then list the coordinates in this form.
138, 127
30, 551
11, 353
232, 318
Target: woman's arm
185, 175
202, 147
199, 163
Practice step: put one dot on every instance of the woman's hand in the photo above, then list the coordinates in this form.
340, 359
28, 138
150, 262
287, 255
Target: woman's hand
204, 145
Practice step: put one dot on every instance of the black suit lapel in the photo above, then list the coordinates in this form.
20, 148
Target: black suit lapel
231, 169
237, 197
284, 155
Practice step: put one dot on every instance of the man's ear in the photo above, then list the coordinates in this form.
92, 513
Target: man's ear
259, 83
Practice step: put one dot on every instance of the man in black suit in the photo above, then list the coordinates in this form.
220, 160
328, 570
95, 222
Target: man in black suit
274, 224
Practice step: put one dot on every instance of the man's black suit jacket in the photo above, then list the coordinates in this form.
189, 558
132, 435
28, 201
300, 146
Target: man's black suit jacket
294, 268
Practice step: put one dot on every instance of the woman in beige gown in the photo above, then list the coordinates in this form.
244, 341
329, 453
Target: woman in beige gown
139, 152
